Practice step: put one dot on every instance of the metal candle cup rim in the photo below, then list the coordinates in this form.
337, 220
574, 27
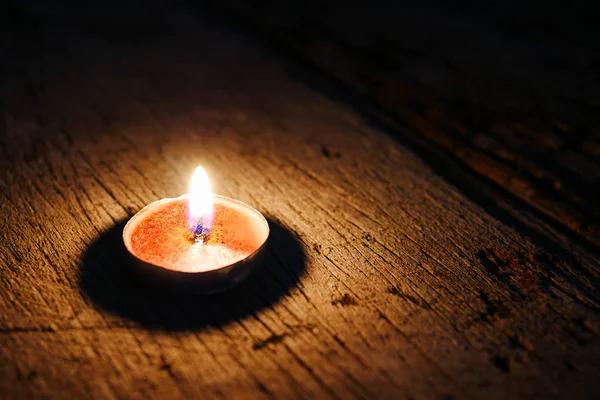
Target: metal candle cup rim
201, 282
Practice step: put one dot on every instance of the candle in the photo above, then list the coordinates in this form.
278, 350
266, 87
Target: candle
198, 242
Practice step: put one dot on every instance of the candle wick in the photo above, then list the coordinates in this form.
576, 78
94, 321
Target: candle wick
200, 234
200, 229
200, 238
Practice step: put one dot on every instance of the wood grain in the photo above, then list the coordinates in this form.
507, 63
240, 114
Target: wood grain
392, 271
508, 90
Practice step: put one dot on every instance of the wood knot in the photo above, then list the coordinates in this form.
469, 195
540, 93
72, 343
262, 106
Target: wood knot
330, 154
524, 272
271, 339
345, 300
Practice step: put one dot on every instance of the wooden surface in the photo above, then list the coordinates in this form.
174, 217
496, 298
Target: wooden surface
394, 270
510, 91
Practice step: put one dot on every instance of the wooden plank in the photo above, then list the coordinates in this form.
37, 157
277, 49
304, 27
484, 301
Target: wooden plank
508, 93
383, 279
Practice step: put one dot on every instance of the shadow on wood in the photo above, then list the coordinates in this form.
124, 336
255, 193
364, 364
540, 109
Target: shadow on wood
479, 190
107, 279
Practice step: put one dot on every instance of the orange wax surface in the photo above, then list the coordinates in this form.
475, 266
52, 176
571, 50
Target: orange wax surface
162, 236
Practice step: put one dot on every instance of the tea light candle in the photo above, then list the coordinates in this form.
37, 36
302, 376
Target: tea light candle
198, 242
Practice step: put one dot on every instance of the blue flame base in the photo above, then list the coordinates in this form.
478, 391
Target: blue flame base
200, 228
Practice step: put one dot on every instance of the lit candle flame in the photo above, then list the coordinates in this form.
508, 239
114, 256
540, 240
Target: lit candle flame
200, 207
